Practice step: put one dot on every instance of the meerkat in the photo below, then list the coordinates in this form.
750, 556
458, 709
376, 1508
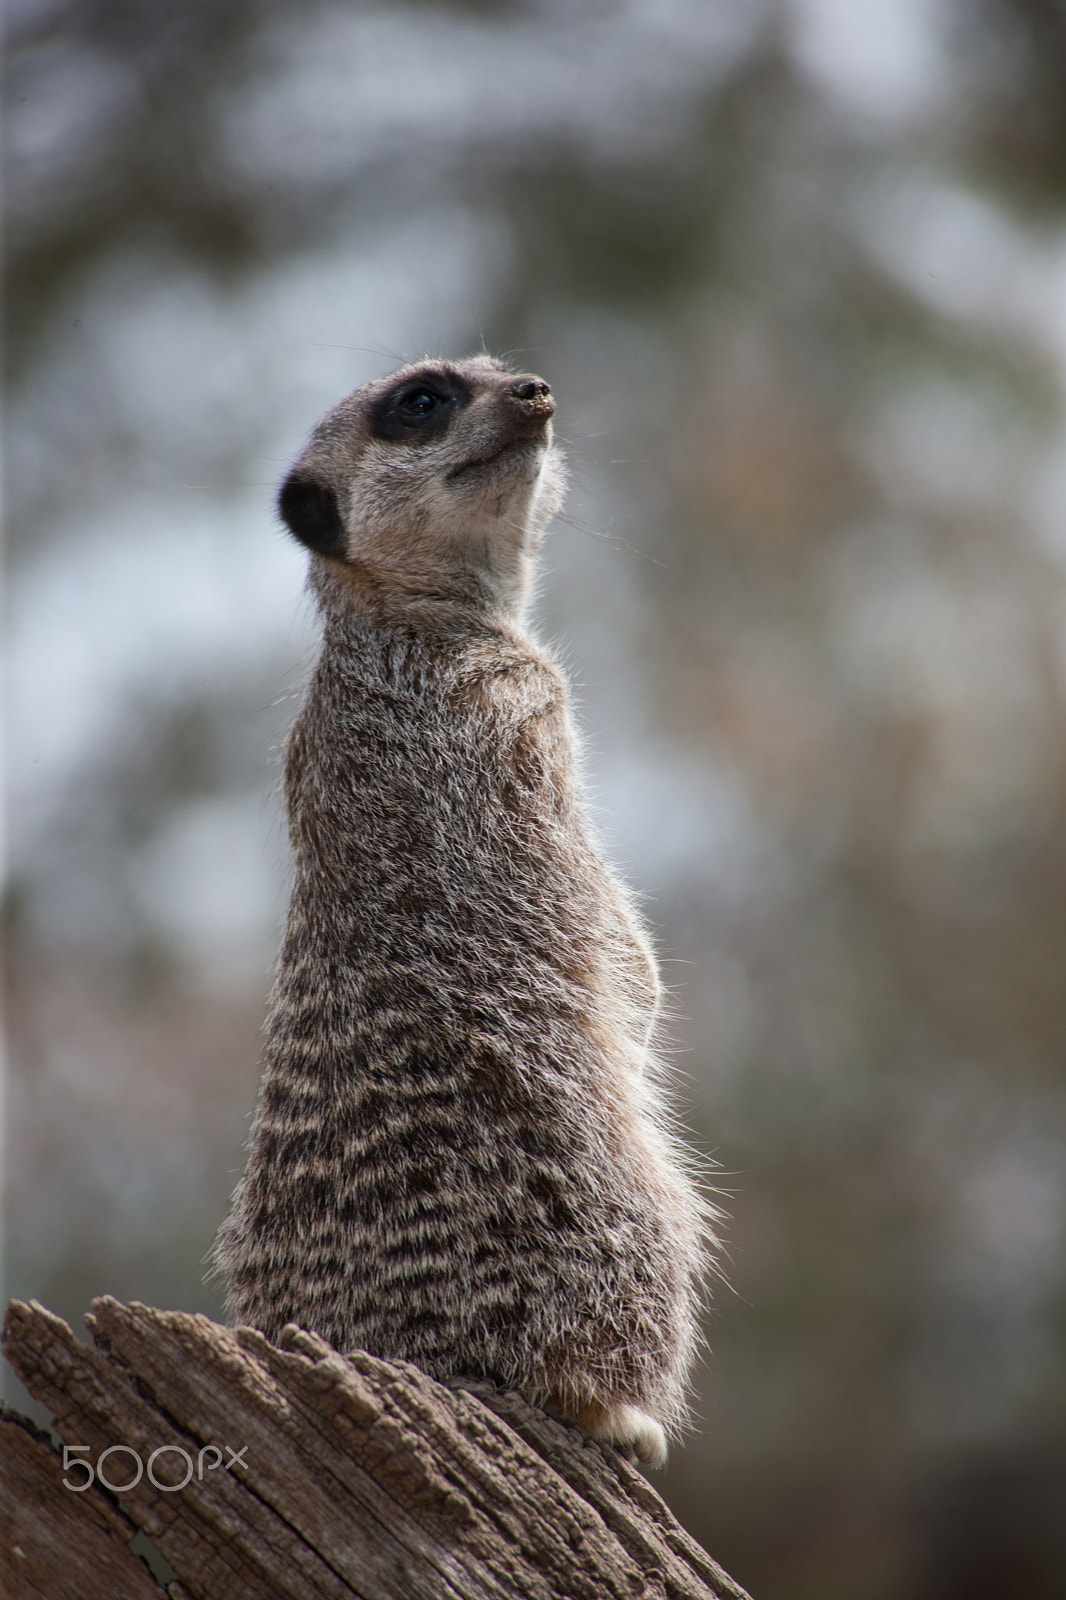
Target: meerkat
460, 1155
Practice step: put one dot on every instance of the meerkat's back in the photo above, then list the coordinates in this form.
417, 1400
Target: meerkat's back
458, 1157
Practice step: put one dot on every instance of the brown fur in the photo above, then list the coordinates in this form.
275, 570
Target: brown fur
459, 1156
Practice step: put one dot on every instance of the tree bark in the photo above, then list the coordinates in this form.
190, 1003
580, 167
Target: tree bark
289, 1470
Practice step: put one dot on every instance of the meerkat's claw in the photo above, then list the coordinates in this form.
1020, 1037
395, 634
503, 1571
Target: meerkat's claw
629, 1430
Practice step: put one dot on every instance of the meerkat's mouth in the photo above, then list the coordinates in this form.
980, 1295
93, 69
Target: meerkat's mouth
511, 447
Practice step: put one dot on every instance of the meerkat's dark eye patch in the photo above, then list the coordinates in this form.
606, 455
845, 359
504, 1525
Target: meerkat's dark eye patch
310, 512
419, 408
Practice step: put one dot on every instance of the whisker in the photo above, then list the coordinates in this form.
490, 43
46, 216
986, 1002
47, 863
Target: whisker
613, 539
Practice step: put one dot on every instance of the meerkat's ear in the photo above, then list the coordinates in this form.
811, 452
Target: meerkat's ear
309, 510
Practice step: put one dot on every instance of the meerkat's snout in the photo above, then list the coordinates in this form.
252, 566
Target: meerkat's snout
514, 415
534, 395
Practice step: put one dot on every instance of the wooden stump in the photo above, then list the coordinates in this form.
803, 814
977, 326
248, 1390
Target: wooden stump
260, 1470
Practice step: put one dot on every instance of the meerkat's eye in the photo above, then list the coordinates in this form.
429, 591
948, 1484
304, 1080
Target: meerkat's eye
419, 404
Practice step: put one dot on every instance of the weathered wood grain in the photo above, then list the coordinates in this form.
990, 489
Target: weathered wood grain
56, 1543
312, 1474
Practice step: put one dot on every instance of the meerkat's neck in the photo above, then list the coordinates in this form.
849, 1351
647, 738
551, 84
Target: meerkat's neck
353, 594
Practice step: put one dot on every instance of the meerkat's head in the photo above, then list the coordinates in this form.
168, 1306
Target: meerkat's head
441, 478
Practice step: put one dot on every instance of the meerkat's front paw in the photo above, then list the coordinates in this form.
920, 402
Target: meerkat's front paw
628, 1429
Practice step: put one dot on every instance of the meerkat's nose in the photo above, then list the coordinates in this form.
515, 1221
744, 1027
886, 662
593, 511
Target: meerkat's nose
533, 395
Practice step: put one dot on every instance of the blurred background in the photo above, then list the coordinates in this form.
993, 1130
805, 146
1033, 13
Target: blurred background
797, 274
